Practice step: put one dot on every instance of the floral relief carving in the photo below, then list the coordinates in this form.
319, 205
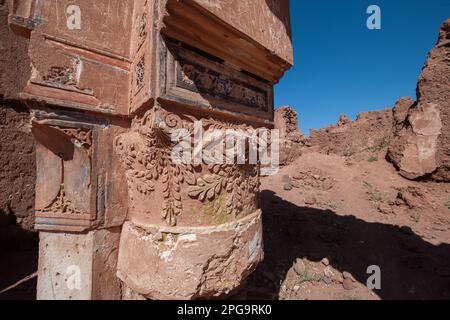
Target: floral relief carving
142, 29
61, 204
144, 166
148, 161
239, 184
61, 75
140, 74
80, 137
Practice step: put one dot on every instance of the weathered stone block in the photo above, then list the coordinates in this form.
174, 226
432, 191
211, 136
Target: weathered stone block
189, 262
78, 266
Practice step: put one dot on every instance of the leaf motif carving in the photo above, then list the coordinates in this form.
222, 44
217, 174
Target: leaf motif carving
149, 160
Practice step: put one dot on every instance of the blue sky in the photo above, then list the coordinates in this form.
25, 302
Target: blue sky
343, 67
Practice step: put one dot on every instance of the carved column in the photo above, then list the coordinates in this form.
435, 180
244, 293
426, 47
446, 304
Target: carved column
194, 230
105, 109
78, 93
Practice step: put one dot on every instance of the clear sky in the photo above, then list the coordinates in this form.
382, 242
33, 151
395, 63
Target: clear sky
343, 67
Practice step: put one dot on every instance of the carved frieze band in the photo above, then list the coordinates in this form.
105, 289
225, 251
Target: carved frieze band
197, 78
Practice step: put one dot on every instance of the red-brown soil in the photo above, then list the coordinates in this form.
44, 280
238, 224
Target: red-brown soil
355, 212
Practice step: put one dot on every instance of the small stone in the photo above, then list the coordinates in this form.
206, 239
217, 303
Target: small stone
385, 208
310, 199
339, 279
298, 176
296, 288
299, 266
288, 186
348, 275
328, 273
348, 284
325, 262
295, 184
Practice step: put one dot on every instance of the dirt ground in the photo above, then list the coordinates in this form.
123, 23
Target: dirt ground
328, 218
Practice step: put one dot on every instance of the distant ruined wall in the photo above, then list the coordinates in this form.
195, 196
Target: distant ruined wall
291, 139
421, 148
370, 131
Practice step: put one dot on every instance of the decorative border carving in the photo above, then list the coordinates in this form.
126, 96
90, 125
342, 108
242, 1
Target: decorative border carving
140, 74
194, 78
142, 29
62, 214
197, 78
61, 205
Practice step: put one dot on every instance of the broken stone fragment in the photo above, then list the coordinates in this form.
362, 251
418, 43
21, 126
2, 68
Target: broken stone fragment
348, 275
299, 266
287, 186
310, 198
348, 284
384, 208
325, 262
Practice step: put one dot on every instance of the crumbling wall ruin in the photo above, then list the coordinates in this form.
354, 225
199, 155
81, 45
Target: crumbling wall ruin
291, 138
17, 160
370, 131
421, 147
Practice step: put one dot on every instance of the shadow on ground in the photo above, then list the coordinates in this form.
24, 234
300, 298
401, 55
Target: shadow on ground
411, 267
18, 258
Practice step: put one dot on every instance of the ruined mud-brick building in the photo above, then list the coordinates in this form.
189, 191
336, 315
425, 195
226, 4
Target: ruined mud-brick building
99, 87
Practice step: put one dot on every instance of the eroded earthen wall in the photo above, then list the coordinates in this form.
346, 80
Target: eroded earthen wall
371, 131
17, 152
17, 162
421, 148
